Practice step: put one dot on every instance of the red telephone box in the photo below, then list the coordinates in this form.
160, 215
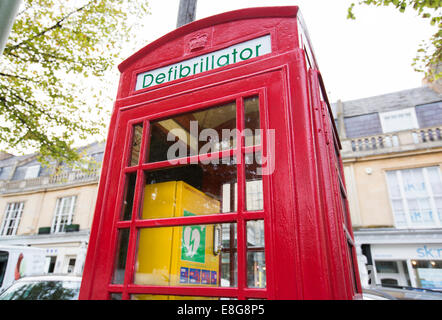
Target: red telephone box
222, 176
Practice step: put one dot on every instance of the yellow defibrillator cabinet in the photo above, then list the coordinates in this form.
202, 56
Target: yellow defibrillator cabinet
174, 256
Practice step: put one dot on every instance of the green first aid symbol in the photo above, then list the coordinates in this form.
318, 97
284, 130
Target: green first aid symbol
193, 242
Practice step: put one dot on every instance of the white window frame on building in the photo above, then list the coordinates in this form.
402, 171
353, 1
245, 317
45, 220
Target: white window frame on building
398, 275
398, 120
32, 172
69, 264
12, 218
416, 197
64, 213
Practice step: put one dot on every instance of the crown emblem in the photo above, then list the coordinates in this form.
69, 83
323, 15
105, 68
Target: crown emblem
198, 42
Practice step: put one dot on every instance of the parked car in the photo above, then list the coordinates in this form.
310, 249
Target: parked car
411, 293
399, 293
48, 287
375, 294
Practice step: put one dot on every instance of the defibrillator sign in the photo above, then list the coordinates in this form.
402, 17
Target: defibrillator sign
236, 53
193, 242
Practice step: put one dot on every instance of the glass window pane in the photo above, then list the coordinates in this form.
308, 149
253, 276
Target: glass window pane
386, 267
393, 184
414, 212
254, 194
435, 180
428, 273
136, 145
420, 212
397, 205
414, 184
255, 234
230, 190
193, 133
129, 190
197, 189
185, 256
229, 269
116, 296
252, 126
399, 213
256, 265
425, 208
120, 257
438, 202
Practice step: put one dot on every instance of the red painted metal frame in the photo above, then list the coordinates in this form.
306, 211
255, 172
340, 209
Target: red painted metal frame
240, 217
306, 239
331, 179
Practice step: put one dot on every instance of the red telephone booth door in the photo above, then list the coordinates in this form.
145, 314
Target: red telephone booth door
200, 191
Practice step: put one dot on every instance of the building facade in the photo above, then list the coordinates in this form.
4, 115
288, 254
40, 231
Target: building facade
392, 155
49, 207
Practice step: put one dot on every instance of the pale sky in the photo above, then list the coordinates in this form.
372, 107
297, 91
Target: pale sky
359, 58
369, 56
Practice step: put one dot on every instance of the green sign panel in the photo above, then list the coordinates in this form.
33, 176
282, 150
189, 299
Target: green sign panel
193, 242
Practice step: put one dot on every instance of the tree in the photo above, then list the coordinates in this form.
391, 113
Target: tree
429, 54
53, 71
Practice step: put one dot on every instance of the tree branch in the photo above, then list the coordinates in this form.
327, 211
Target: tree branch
15, 76
58, 24
35, 107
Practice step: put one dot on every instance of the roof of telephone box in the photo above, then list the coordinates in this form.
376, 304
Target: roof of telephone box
241, 14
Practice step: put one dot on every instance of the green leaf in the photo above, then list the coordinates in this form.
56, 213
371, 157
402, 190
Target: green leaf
55, 51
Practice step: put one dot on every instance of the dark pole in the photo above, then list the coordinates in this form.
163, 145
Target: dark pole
186, 12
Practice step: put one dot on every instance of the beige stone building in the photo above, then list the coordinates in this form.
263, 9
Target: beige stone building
39, 208
392, 155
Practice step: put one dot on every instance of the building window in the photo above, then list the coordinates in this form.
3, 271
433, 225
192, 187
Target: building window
386, 267
64, 213
416, 197
13, 214
398, 120
32, 172
428, 273
70, 264
50, 264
